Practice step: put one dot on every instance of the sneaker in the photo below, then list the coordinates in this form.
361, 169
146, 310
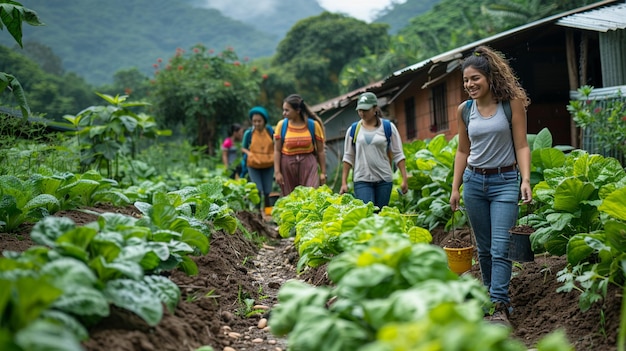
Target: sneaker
500, 315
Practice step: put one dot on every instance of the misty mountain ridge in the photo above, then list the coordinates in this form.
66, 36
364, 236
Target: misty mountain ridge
275, 17
97, 38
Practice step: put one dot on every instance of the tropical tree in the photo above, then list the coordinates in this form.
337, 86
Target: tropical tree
374, 67
317, 48
12, 14
204, 91
50, 94
513, 13
449, 24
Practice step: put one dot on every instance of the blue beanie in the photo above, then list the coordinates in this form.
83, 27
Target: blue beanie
259, 110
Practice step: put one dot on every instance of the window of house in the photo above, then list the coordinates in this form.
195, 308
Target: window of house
439, 115
409, 113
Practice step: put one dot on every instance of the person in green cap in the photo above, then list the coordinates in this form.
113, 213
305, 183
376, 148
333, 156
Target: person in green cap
372, 145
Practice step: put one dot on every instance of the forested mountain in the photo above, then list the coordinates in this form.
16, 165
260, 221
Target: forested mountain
96, 38
275, 17
398, 15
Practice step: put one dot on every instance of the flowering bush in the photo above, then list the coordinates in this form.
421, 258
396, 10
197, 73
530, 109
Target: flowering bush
204, 91
603, 119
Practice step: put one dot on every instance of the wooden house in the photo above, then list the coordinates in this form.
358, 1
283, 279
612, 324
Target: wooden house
552, 57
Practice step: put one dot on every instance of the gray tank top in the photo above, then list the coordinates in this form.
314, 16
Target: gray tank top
491, 141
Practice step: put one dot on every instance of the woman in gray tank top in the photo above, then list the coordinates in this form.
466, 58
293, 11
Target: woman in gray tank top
491, 157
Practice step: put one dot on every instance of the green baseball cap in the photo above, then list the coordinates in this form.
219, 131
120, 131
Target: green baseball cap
366, 101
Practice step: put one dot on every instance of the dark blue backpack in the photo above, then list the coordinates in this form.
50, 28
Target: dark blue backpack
354, 131
310, 123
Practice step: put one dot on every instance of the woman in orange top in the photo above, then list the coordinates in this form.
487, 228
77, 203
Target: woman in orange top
296, 158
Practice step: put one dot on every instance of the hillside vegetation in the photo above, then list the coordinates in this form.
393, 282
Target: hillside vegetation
97, 38
399, 15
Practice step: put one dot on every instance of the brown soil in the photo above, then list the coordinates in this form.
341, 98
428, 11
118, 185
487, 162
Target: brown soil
522, 229
457, 239
211, 311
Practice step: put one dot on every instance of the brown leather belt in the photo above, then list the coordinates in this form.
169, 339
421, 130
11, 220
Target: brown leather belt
491, 170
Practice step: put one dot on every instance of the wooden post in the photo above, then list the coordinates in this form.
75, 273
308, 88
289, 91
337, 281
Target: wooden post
573, 79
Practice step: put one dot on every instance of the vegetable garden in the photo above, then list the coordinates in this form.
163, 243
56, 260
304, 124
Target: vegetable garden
113, 240
147, 255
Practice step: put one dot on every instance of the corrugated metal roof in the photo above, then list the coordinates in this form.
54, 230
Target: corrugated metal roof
608, 8
599, 20
343, 100
452, 54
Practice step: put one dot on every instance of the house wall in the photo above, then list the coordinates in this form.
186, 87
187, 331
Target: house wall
539, 58
540, 64
454, 96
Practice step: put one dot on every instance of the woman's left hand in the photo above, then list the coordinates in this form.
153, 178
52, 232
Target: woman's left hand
526, 192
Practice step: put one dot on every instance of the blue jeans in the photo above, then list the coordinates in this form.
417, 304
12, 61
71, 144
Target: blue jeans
491, 203
264, 179
376, 192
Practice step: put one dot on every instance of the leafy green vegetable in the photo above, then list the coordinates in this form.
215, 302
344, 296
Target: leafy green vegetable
293, 297
135, 296
387, 263
570, 195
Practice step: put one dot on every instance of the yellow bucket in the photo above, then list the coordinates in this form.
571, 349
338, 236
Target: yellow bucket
459, 259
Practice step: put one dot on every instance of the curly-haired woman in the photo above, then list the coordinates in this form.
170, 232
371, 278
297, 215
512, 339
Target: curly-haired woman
493, 163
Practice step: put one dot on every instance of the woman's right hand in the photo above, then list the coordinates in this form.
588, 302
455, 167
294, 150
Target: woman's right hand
454, 200
344, 189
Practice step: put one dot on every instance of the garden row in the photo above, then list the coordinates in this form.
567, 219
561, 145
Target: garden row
70, 280
391, 291
578, 211
578, 208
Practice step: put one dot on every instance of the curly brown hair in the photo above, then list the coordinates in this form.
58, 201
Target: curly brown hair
503, 82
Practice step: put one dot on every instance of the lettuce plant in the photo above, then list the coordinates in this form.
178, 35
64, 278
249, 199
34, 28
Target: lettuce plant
24, 301
598, 259
317, 218
21, 202
76, 190
391, 294
80, 270
569, 198
181, 234
430, 165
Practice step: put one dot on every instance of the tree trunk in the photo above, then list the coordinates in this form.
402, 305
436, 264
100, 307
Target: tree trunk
206, 134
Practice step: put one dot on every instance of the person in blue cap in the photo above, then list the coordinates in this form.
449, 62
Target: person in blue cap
258, 152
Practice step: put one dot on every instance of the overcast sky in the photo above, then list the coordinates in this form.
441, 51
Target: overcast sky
246, 9
361, 9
